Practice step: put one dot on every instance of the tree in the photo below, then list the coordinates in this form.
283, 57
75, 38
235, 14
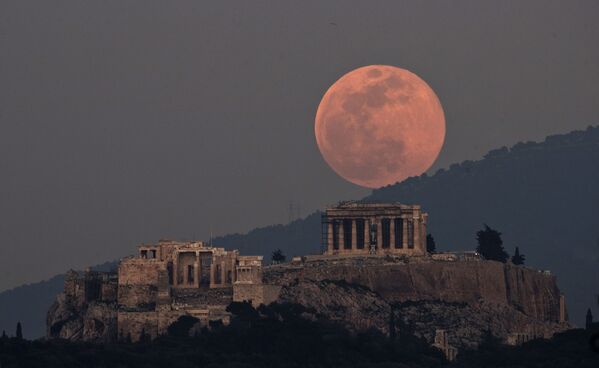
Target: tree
278, 256
19, 331
4, 337
518, 259
144, 337
431, 247
589, 319
182, 326
490, 245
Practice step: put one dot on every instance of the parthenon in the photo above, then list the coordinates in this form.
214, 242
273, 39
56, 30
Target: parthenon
374, 228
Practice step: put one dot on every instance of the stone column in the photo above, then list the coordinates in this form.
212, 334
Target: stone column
330, 237
196, 271
354, 237
175, 267
417, 244
379, 235
366, 234
212, 272
392, 233
185, 279
562, 308
404, 235
340, 236
223, 273
233, 273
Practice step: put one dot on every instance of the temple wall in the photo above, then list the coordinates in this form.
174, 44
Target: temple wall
138, 283
133, 323
136, 271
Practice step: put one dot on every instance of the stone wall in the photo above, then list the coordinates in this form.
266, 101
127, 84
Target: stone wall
464, 298
256, 293
138, 271
133, 324
534, 293
138, 283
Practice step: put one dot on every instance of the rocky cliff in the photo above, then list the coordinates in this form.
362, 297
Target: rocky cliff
418, 295
466, 298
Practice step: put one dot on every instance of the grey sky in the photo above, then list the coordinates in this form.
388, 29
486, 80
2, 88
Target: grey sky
128, 121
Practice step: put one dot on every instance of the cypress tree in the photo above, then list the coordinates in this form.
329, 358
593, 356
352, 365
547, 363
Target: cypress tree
518, 259
19, 331
490, 245
278, 257
431, 247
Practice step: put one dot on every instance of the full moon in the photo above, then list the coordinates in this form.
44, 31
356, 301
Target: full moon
378, 125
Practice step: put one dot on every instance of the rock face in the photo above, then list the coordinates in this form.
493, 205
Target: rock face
86, 310
355, 306
419, 295
465, 298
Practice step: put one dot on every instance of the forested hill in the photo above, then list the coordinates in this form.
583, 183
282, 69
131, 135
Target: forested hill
543, 197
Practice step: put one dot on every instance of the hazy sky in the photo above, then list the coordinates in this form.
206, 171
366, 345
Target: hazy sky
128, 121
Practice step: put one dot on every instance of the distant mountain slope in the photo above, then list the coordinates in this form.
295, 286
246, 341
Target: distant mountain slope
543, 197
299, 237
26, 304
29, 303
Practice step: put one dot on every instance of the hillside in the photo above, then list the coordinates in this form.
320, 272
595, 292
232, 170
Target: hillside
29, 304
542, 196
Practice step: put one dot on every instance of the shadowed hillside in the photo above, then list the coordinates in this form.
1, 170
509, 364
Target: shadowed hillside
543, 197
291, 335
29, 304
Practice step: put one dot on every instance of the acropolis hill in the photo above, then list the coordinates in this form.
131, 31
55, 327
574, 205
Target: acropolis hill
374, 268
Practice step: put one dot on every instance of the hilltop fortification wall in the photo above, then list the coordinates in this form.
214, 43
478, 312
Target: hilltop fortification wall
529, 291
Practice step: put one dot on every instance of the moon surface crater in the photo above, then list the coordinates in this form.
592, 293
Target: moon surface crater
378, 125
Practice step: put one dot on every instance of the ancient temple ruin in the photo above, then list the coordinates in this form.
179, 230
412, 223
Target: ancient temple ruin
357, 228
163, 282
374, 257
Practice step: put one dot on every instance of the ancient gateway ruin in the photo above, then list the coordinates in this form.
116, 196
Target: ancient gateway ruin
162, 283
374, 264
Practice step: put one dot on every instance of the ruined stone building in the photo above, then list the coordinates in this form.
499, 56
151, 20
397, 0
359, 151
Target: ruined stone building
163, 282
374, 263
374, 228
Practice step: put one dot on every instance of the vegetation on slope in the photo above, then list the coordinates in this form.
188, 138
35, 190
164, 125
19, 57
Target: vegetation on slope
279, 336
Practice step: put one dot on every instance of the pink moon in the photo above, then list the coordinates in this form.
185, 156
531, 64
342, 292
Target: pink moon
378, 125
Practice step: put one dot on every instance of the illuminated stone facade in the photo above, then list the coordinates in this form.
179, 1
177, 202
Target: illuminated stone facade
374, 228
170, 279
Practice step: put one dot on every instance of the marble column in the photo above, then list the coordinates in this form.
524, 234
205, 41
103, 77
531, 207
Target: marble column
417, 244
223, 273
379, 235
330, 237
354, 237
185, 274
233, 273
366, 234
196, 271
392, 233
175, 267
404, 235
212, 272
340, 236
